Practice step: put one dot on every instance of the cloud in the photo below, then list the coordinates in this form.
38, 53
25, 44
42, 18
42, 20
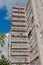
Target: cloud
7, 18
1, 3
10, 3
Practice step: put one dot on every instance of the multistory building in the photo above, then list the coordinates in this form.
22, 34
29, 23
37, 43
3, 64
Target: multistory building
18, 38
34, 13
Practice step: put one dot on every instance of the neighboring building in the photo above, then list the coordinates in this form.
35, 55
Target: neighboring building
34, 12
18, 38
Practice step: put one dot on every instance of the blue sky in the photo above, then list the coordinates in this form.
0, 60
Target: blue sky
5, 13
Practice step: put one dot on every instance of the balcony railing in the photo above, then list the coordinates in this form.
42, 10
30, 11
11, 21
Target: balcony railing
18, 14
19, 59
18, 10
19, 28
19, 34
19, 45
19, 39
19, 23
20, 54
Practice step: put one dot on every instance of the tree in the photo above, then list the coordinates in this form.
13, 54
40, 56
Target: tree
4, 61
2, 36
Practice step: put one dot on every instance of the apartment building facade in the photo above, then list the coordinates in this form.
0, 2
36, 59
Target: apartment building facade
18, 38
34, 13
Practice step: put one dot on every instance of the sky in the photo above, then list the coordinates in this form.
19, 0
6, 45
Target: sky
5, 13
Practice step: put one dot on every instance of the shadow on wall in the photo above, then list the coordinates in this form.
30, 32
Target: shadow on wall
4, 22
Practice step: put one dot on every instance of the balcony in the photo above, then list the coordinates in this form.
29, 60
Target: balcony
19, 28
19, 40
15, 18
18, 10
31, 27
36, 61
19, 59
33, 39
19, 34
33, 48
34, 52
20, 50
18, 14
19, 23
20, 54
19, 45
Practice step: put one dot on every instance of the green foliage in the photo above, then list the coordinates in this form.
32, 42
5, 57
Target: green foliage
4, 61
2, 36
